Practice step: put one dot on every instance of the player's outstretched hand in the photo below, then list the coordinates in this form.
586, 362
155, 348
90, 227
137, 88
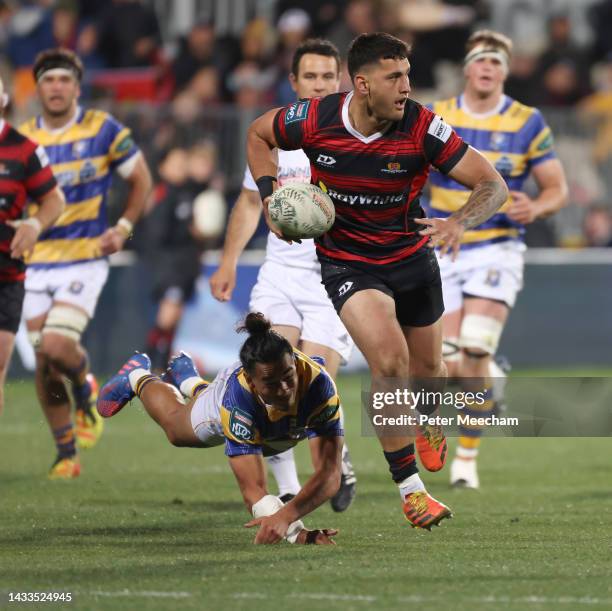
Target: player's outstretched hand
522, 208
223, 282
272, 529
445, 233
26, 234
321, 536
112, 240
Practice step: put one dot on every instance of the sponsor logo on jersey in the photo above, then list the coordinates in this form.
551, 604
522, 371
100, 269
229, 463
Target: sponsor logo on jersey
64, 179
439, 129
42, 156
363, 199
504, 165
79, 149
498, 140
325, 160
546, 143
297, 112
240, 425
393, 167
88, 172
326, 414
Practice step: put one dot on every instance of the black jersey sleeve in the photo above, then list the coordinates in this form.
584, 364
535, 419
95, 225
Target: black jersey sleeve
293, 124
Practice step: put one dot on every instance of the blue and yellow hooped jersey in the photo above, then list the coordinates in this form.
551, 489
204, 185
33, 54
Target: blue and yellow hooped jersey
514, 140
252, 427
83, 157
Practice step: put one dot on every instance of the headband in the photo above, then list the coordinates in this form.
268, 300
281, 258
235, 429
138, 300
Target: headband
482, 51
57, 66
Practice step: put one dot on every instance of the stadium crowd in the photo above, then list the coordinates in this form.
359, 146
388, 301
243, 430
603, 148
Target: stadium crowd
230, 60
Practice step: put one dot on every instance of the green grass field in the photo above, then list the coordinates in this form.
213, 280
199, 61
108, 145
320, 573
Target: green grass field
149, 526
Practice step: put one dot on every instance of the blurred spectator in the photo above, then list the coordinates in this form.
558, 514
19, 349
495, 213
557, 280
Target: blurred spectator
324, 14
176, 236
597, 227
600, 18
421, 61
251, 85
358, 18
30, 31
523, 83
129, 35
200, 49
563, 67
293, 27
442, 28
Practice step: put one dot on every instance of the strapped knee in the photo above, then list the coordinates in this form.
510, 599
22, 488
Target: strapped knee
34, 339
451, 352
480, 334
66, 321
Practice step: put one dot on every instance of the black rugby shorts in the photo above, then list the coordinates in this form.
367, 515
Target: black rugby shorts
414, 284
11, 302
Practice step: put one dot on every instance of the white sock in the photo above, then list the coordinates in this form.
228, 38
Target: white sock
467, 453
135, 376
410, 484
285, 473
189, 384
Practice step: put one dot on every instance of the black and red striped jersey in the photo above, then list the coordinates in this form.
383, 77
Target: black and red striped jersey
25, 174
375, 181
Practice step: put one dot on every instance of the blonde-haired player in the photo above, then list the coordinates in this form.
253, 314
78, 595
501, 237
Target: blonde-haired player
69, 265
480, 287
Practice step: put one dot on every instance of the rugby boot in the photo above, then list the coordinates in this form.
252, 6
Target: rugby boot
67, 467
117, 392
346, 493
432, 447
423, 511
89, 423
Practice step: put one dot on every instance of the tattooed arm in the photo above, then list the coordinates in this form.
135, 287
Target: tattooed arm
489, 192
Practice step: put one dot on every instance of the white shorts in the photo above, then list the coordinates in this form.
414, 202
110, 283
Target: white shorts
79, 285
205, 412
494, 271
295, 297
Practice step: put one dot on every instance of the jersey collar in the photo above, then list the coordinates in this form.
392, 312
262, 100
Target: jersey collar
76, 118
482, 115
350, 129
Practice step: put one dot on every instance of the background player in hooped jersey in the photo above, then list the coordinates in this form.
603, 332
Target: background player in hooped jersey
370, 150
288, 289
481, 286
25, 174
69, 266
269, 401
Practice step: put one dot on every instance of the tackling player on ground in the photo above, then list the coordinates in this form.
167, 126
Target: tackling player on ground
25, 174
370, 150
269, 401
288, 289
69, 265
480, 287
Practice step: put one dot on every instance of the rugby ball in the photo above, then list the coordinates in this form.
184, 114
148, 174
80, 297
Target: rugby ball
301, 210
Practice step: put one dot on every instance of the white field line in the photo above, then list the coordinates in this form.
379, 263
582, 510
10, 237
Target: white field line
362, 598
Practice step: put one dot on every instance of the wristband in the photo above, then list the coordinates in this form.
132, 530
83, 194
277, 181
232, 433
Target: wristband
34, 222
265, 186
126, 226
270, 504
